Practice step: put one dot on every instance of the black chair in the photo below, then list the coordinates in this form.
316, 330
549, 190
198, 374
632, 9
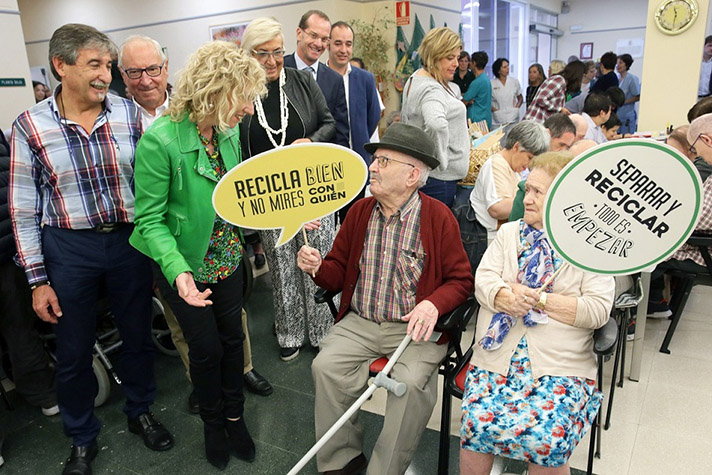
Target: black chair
604, 341
622, 312
687, 280
451, 324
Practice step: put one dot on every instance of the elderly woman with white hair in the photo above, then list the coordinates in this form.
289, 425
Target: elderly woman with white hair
179, 161
293, 111
496, 185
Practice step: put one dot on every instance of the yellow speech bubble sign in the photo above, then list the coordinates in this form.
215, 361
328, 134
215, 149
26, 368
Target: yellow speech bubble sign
287, 187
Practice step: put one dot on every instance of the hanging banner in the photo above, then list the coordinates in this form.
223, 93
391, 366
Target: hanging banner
623, 206
287, 187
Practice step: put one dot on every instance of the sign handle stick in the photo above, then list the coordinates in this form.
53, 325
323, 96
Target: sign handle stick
306, 241
553, 276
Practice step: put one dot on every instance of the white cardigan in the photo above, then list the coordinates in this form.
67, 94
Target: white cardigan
555, 348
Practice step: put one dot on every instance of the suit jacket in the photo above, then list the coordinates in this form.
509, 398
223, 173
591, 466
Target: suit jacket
364, 109
332, 86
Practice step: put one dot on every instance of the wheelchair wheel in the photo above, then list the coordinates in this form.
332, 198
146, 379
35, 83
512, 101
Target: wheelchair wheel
160, 333
247, 279
103, 382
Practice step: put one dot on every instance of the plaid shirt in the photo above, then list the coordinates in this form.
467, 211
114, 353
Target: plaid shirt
704, 224
391, 264
60, 176
549, 99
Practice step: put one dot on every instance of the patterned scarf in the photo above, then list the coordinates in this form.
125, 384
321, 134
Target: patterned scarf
536, 264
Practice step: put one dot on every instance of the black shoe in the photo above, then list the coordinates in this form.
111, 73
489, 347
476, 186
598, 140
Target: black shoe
256, 383
288, 354
260, 261
242, 444
217, 450
155, 436
80, 458
193, 405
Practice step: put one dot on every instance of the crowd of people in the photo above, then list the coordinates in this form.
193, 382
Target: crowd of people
111, 197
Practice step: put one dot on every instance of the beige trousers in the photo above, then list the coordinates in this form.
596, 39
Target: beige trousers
182, 346
340, 373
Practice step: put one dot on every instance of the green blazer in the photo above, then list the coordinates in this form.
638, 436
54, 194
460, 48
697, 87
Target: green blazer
174, 189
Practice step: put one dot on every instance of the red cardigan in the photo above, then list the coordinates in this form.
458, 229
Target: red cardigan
446, 280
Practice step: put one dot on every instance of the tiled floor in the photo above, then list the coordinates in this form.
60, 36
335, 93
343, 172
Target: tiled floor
660, 425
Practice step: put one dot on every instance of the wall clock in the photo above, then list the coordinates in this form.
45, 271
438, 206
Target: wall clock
672, 17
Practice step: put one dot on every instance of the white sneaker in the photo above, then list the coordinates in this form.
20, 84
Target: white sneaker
50, 411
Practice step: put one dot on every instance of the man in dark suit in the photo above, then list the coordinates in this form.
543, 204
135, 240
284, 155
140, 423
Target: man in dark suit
312, 40
361, 94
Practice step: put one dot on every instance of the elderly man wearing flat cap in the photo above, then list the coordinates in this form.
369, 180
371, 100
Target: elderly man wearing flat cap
399, 262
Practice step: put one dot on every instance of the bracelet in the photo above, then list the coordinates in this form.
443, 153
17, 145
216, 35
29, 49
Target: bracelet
39, 284
541, 304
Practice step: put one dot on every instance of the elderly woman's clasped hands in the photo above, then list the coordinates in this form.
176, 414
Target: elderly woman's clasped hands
516, 300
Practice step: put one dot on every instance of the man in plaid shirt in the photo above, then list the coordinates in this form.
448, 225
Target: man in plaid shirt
400, 264
72, 207
687, 258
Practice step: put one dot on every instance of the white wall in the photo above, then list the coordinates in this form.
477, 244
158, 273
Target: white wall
13, 64
603, 23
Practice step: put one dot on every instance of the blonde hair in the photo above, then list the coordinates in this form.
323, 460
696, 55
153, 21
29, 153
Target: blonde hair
438, 44
551, 162
217, 79
556, 67
259, 31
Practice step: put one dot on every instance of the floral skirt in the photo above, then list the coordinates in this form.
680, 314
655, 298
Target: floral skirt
518, 417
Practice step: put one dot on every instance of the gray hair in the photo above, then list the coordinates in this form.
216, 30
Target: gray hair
701, 125
68, 39
424, 174
259, 31
145, 39
531, 136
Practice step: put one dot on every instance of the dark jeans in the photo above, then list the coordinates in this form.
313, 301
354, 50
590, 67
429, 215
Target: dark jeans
214, 336
472, 233
441, 190
31, 372
78, 263
657, 283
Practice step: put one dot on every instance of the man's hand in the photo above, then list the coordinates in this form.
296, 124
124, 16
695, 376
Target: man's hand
190, 293
301, 141
312, 225
45, 304
309, 260
421, 320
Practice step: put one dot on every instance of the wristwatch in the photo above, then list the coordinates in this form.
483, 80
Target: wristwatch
39, 283
541, 304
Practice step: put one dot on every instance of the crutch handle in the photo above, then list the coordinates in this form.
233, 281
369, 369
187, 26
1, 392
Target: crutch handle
383, 381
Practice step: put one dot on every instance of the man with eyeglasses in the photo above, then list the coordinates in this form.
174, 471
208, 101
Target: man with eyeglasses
687, 258
399, 262
144, 69
312, 40
72, 206
362, 100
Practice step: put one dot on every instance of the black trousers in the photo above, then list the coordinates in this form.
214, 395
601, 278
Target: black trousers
214, 336
78, 263
657, 283
32, 374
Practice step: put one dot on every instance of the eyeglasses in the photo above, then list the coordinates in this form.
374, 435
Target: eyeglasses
383, 161
325, 40
151, 71
264, 55
692, 146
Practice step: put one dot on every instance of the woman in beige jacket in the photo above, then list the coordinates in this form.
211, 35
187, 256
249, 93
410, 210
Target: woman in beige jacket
530, 393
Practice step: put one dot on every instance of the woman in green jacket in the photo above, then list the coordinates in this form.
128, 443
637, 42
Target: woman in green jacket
179, 161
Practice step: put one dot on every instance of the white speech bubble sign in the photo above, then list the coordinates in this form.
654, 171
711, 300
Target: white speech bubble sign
622, 206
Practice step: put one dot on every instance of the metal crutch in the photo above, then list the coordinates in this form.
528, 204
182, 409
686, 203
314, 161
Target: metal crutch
381, 380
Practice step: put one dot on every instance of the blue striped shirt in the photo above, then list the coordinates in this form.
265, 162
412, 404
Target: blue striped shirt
60, 176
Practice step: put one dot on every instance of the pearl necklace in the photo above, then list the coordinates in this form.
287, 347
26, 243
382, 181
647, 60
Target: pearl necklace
283, 114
